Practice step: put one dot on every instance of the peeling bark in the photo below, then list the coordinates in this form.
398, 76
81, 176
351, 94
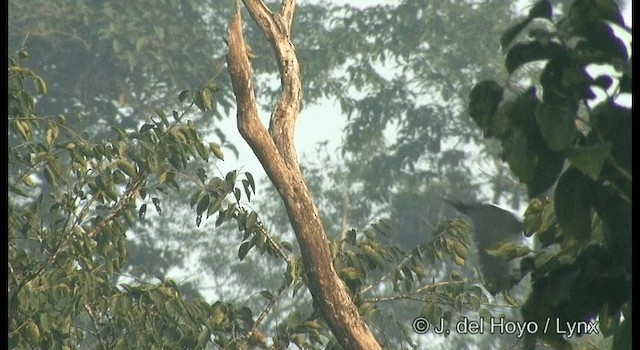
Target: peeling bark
276, 152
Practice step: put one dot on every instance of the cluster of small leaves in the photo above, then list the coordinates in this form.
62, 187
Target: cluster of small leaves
451, 237
304, 333
173, 322
364, 263
444, 302
254, 234
212, 198
229, 325
53, 241
456, 296
203, 97
169, 320
71, 202
559, 138
355, 259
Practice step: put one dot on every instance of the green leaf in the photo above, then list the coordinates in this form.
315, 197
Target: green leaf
244, 249
589, 160
251, 181
214, 207
126, 167
221, 219
575, 77
51, 135
194, 198
557, 125
32, 333
230, 178
21, 128
247, 190
459, 249
17, 191
202, 175
245, 314
484, 99
349, 273
203, 204
604, 82
508, 249
183, 94
202, 151
548, 167
171, 182
267, 294
119, 177
455, 276
458, 261
53, 163
215, 148
382, 227
542, 35
542, 9
50, 177
199, 101
517, 155
146, 127
156, 296
622, 339
625, 83
109, 263
572, 203
511, 33
608, 322
203, 337
142, 211
156, 203
252, 219
419, 271
531, 51
286, 245
501, 124
207, 99
41, 86
163, 116
406, 271
602, 44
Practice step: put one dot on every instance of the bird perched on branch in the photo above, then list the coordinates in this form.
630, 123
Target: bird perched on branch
492, 225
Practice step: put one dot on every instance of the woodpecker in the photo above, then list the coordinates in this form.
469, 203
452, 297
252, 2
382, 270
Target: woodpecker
491, 225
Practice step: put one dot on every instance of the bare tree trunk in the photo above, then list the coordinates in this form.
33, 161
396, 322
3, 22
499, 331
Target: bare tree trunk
276, 152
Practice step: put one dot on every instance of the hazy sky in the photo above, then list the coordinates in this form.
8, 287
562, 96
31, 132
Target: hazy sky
317, 123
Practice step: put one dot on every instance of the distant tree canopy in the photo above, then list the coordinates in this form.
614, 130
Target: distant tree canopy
116, 175
126, 59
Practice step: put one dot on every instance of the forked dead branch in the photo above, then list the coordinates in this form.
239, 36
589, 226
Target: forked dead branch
276, 152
